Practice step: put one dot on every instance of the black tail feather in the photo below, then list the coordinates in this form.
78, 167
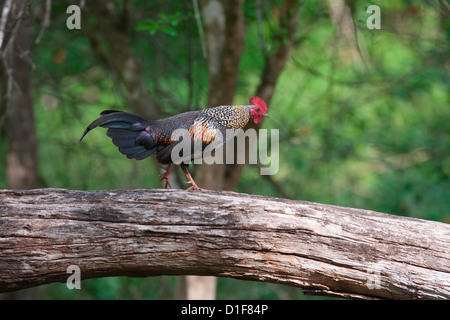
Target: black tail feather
124, 129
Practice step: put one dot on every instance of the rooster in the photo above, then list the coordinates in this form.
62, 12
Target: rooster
139, 138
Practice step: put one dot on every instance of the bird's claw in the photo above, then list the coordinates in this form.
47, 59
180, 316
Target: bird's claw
193, 186
167, 182
165, 176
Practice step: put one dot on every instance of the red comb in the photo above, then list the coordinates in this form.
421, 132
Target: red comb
259, 102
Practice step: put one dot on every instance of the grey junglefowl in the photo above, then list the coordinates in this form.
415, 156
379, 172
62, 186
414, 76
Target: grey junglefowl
139, 138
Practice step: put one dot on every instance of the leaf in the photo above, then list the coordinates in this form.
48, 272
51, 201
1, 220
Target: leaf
145, 24
169, 31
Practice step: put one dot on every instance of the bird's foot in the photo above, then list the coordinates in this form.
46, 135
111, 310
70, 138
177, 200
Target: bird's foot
193, 186
191, 181
166, 176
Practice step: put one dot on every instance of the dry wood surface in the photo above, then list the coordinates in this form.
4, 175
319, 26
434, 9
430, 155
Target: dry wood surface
325, 249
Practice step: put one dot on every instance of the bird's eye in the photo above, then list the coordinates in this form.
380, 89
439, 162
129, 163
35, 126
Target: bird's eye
257, 109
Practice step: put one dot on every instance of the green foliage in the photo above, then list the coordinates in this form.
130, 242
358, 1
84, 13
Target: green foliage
165, 23
365, 127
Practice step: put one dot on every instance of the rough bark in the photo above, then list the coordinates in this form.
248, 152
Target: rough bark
16, 105
16, 112
326, 249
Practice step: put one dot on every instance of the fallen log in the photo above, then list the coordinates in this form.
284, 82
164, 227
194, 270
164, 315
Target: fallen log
324, 249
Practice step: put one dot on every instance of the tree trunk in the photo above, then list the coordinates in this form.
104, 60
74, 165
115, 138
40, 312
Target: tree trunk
224, 23
17, 101
16, 111
326, 249
273, 66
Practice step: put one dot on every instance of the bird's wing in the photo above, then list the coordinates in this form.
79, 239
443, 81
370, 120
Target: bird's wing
192, 142
208, 135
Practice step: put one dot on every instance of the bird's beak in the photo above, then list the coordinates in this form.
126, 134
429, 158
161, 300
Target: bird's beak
265, 115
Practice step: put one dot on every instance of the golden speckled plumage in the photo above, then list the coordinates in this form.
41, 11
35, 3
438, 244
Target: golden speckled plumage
231, 117
201, 131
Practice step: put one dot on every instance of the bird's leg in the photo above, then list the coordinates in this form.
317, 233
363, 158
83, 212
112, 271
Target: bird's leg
166, 176
188, 175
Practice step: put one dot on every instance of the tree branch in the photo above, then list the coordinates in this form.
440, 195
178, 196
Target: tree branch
327, 249
3, 20
120, 56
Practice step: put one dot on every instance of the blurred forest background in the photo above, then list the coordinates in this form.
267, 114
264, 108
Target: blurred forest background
363, 114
